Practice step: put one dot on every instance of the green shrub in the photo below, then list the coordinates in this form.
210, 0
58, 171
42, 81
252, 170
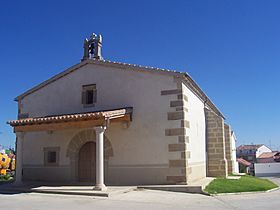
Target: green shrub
5, 177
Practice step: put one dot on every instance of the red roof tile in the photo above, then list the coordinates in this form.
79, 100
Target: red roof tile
243, 162
267, 154
248, 147
72, 117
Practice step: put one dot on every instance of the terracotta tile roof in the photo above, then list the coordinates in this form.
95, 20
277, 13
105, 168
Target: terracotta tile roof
73, 117
248, 147
267, 154
243, 162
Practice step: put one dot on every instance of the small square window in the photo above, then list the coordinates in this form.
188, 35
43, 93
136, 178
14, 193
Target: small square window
51, 156
89, 95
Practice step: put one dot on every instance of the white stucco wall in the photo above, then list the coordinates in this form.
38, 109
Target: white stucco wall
196, 133
34, 143
33, 155
233, 153
141, 149
261, 150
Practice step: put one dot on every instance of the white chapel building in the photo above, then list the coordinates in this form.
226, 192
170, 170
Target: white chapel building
111, 123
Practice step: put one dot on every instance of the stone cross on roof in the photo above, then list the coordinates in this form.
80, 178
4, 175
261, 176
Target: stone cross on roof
92, 47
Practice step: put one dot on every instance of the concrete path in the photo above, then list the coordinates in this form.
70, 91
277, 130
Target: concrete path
276, 180
79, 189
65, 190
143, 199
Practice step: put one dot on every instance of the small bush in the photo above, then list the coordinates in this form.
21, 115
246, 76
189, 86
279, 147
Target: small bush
5, 177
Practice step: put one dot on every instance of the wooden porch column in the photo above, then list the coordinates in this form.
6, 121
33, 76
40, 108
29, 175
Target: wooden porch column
100, 158
19, 157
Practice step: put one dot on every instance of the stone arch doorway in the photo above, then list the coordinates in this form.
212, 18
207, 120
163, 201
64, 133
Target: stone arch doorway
87, 162
76, 144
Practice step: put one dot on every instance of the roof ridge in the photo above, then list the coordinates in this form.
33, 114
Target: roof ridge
139, 66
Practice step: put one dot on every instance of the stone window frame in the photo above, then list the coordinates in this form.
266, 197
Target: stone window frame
46, 152
85, 91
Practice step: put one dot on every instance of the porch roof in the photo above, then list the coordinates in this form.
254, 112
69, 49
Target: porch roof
243, 162
76, 120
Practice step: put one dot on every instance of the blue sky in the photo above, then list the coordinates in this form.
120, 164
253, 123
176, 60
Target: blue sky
230, 48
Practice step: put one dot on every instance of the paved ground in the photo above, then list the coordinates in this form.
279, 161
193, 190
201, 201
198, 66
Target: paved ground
144, 199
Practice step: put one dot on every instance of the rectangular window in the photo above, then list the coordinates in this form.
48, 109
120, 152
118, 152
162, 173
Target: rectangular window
51, 156
89, 95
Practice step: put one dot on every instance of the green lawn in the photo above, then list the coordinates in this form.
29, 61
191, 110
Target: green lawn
244, 184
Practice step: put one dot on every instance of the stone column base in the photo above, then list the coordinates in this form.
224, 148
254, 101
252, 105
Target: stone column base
100, 188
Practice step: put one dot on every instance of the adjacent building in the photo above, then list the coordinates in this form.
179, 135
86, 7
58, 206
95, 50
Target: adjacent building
269, 157
251, 152
244, 165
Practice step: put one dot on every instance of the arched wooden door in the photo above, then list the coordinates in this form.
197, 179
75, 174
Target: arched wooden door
87, 162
